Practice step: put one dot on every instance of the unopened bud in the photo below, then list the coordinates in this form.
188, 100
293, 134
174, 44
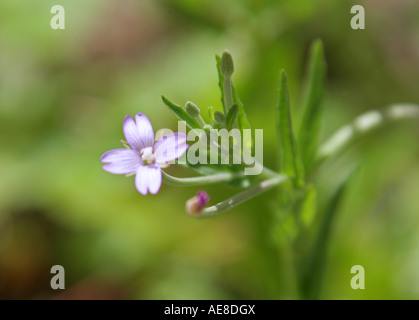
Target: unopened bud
195, 205
227, 65
192, 109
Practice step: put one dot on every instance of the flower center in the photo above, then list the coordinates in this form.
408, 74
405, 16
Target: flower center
147, 156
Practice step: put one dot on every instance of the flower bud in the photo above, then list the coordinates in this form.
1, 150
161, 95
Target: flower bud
195, 205
227, 65
192, 109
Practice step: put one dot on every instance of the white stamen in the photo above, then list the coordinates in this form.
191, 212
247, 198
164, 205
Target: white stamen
147, 155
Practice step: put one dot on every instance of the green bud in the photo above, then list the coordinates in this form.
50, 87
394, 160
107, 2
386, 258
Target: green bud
192, 109
227, 65
219, 117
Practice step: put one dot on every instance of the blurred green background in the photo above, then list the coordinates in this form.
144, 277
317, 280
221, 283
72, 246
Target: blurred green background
64, 94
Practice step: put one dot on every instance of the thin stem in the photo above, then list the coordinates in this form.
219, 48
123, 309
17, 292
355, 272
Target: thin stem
201, 121
241, 197
199, 181
364, 124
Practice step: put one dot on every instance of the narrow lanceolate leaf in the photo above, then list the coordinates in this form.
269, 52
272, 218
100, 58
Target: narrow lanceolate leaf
211, 113
220, 80
242, 121
315, 267
291, 163
181, 113
310, 126
309, 206
231, 116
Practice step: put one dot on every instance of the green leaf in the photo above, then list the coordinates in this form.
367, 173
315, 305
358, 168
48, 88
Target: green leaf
291, 163
310, 126
181, 113
231, 116
242, 121
315, 266
287, 230
219, 119
211, 113
220, 80
309, 206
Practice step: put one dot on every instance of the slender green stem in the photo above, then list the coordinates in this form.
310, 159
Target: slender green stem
364, 124
199, 181
201, 121
242, 196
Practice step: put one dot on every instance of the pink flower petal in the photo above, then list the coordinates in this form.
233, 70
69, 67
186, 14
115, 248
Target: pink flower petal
121, 161
171, 138
170, 147
145, 129
132, 134
148, 178
139, 133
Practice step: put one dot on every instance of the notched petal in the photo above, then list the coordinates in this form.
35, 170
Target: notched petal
120, 161
132, 134
145, 130
148, 178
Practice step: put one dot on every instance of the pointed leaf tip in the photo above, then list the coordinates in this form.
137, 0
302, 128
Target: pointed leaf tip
311, 123
181, 113
291, 163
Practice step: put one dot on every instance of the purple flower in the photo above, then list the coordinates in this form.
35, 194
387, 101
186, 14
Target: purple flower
145, 156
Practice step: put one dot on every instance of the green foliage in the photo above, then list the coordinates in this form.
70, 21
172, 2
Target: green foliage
181, 113
219, 118
291, 163
231, 116
242, 120
310, 127
211, 113
308, 208
60, 108
314, 268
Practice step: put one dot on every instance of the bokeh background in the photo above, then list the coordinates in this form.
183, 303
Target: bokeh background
64, 94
